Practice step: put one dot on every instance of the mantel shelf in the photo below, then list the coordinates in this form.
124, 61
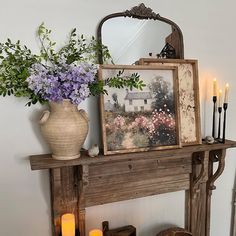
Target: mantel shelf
45, 161
87, 181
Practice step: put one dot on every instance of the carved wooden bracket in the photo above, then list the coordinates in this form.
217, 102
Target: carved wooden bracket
215, 156
198, 159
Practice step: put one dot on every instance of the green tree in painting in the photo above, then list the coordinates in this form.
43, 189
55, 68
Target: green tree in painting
115, 99
163, 94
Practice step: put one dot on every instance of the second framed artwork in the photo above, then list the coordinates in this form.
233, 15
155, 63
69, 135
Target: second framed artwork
189, 104
135, 120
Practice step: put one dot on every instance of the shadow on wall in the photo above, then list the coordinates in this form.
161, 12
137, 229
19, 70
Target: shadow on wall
43, 174
233, 211
94, 134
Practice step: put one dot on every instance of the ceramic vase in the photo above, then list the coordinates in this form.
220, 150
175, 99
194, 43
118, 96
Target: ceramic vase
64, 128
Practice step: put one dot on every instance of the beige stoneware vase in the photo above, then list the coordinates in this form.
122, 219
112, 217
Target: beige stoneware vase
65, 129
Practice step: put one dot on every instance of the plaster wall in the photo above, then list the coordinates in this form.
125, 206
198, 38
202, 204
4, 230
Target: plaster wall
209, 36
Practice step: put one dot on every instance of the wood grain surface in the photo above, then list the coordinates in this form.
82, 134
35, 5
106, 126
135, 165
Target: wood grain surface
86, 181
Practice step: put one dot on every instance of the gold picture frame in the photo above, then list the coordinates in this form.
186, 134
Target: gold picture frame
189, 102
135, 121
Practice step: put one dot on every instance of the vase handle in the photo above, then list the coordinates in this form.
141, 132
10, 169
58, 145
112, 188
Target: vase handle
84, 114
44, 117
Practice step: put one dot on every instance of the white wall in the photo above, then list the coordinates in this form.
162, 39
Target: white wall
209, 35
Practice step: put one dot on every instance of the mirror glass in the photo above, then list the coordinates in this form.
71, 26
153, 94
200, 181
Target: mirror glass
129, 39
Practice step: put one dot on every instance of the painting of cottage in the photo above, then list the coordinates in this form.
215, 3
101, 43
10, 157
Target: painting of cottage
138, 101
139, 120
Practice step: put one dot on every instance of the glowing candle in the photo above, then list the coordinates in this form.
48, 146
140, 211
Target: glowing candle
95, 232
214, 87
220, 98
226, 93
68, 225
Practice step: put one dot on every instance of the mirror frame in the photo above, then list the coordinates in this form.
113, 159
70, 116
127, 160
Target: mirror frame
145, 13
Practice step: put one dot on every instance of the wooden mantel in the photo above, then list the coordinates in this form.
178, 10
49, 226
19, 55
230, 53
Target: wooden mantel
84, 182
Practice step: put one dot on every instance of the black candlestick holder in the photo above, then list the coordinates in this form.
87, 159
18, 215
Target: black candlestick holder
214, 116
225, 106
219, 124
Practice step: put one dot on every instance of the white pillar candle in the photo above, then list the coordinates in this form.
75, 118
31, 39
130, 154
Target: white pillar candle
226, 93
68, 225
214, 87
95, 232
220, 98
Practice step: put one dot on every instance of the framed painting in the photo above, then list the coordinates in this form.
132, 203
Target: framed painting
140, 120
189, 103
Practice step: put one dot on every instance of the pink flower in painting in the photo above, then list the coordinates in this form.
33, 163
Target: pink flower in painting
119, 121
151, 129
163, 118
140, 122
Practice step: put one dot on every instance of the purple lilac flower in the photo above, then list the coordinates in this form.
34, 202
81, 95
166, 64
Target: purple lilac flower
64, 82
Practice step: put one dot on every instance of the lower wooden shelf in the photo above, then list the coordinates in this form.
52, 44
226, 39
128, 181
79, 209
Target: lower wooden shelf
84, 182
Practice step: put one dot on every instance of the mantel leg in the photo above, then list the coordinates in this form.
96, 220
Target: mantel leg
82, 222
198, 193
215, 156
202, 184
84, 177
64, 195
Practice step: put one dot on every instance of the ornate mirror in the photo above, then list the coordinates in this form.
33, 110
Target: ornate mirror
137, 33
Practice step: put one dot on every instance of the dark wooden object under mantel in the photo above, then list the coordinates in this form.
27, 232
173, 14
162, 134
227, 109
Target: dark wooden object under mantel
85, 182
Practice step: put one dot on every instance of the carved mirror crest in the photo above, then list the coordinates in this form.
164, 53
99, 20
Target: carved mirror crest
137, 33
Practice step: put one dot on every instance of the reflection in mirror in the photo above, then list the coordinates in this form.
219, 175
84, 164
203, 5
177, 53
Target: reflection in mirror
138, 32
129, 39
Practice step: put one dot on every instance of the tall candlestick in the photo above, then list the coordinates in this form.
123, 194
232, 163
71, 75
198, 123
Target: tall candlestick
220, 98
226, 93
214, 87
219, 124
214, 115
95, 232
68, 225
225, 106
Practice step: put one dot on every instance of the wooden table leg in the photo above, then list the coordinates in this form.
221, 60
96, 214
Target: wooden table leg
64, 195
84, 182
215, 156
198, 184
202, 185
82, 222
